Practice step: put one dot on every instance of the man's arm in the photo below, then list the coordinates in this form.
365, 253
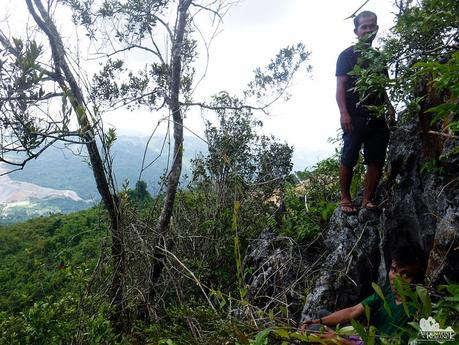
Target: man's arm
333, 319
343, 315
345, 118
337, 317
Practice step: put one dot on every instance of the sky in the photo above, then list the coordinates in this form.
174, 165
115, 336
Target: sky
252, 33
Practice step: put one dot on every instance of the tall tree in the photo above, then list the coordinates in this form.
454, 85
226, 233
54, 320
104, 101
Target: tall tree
166, 82
141, 26
22, 75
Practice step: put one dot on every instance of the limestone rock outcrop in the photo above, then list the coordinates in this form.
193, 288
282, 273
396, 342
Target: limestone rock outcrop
420, 203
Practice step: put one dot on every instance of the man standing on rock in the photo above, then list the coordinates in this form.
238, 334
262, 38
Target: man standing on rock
359, 122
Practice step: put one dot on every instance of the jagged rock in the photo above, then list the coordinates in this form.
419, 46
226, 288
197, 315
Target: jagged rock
368, 216
420, 204
444, 258
279, 267
449, 155
423, 195
352, 260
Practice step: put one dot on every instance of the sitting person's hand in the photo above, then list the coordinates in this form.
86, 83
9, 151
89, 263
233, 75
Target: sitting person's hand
328, 336
306, 323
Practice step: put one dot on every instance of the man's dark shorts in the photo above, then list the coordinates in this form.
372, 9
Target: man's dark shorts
373, 133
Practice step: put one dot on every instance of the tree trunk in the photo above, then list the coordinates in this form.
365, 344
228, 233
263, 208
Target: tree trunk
174, 104
176, 168
69, 85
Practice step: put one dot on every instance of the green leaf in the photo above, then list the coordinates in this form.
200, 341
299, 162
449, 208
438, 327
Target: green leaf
367, 313
379, 292
371, 336
360, 330
425, 300
399, 286
262, 337
282, 332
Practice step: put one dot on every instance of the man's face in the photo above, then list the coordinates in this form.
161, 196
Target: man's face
407, 273
367, 29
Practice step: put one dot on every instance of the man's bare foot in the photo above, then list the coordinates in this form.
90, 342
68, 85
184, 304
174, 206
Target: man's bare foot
370, 205
348, 207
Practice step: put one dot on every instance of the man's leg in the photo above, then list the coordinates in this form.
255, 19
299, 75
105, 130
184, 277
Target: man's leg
349, 155
345, 179
372, 177
374, 151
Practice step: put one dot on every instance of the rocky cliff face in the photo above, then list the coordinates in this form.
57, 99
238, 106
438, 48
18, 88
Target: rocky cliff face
352, 262
420, 203
422, 190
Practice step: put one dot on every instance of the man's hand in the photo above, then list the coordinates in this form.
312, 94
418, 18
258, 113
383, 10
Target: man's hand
345, 119
307, 323
346, 122
329, 334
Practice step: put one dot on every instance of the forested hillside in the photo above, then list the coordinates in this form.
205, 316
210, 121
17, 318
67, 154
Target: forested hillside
241, 250
38, 257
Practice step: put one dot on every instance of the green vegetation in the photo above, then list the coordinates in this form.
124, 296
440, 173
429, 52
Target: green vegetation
135, 279
310, 203
445, 311
36, 256
46, 276
54, 293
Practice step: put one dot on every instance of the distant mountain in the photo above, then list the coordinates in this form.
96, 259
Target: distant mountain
60, 180
16, 191
22, 200
68, 168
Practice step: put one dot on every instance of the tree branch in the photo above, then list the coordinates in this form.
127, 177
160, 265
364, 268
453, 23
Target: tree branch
353, 14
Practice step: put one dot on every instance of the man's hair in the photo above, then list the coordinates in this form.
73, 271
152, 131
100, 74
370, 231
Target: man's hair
405, 255
363, 14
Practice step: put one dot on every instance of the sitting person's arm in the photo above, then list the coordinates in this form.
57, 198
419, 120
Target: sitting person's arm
337, 317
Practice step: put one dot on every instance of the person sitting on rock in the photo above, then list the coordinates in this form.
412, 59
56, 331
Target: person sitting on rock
407, 262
